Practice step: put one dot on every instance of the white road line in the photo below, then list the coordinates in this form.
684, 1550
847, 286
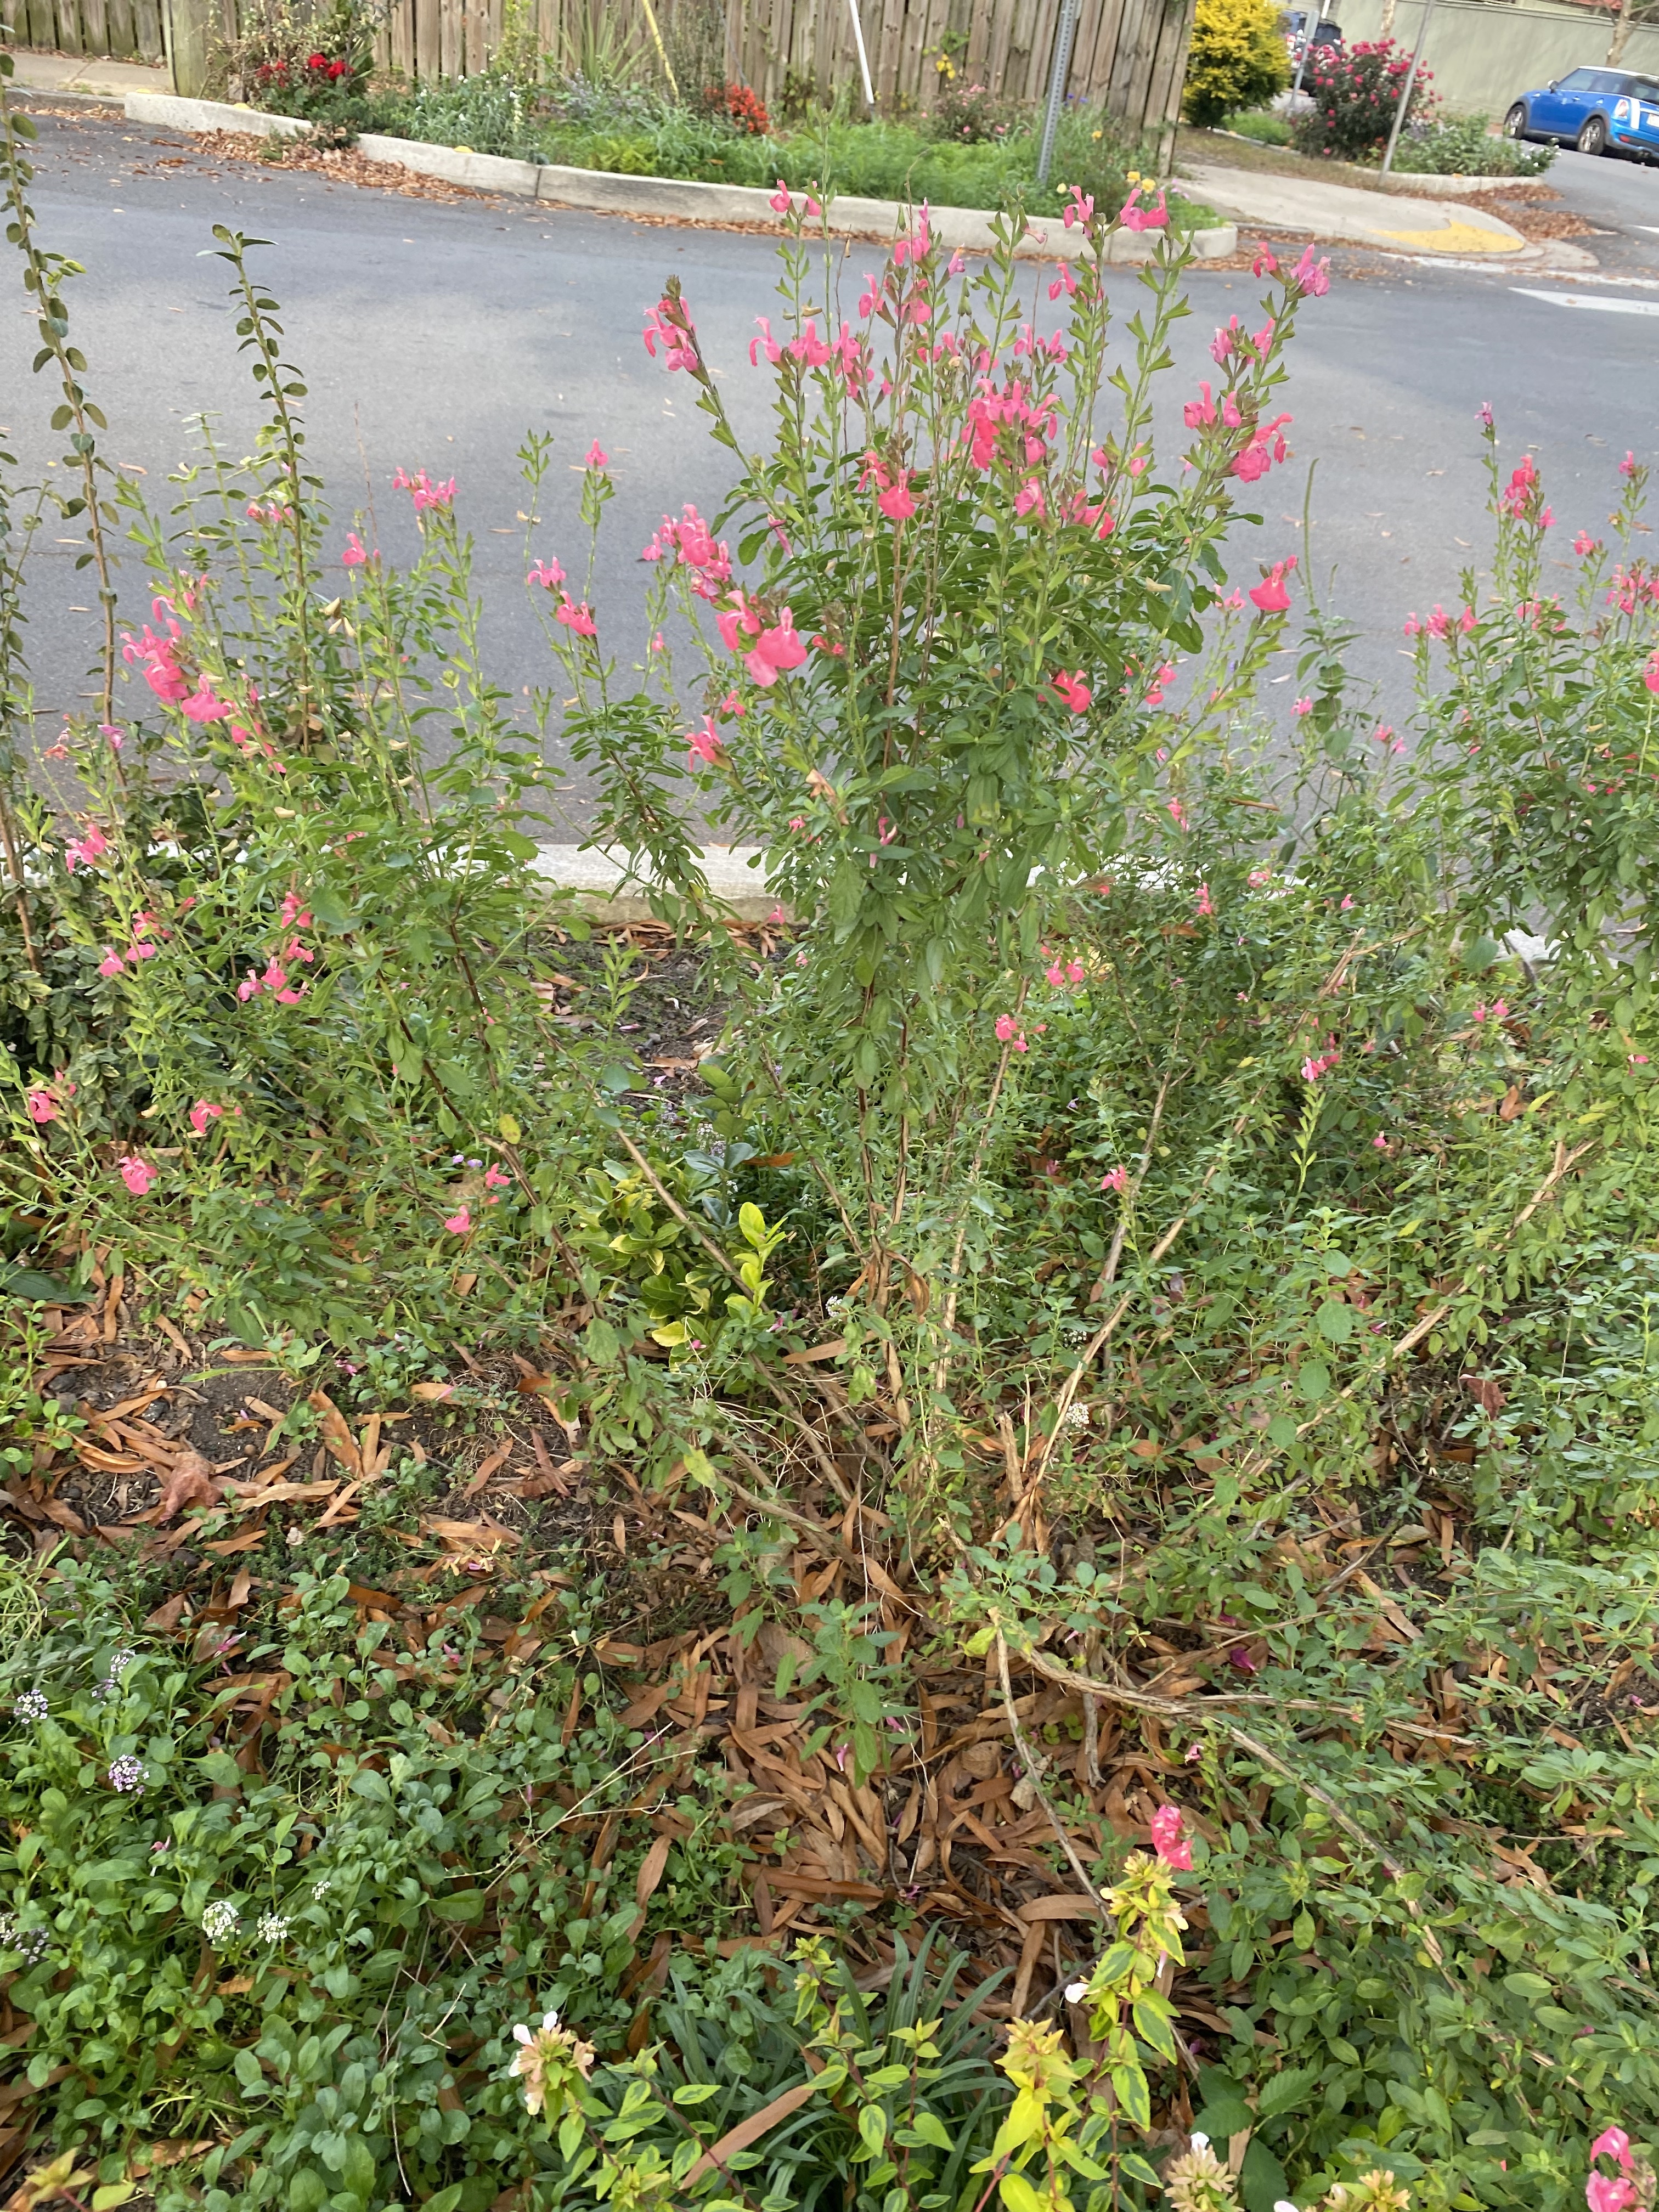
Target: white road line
1586, 300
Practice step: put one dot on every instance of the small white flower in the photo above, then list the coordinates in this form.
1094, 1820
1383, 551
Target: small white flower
1077, 1417
1076, 1991
320, 1888
273, 1927
218, 1921
1200, 2143
1283, 2204
31, 1706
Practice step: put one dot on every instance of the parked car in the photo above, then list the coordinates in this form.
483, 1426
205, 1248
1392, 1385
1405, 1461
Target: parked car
1297, 33
1599, 111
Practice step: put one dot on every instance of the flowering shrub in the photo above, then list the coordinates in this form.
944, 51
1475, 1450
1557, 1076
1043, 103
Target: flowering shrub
1355, 91
741, 105
1198, 1159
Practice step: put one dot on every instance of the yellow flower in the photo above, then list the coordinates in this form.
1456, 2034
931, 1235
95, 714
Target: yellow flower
1133, 174
1096, 138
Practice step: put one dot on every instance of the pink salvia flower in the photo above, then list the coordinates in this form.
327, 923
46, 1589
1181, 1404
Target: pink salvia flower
90, 847
137, 1174
596, 457
1303, 707
1133, 216
705, 747
1613, 2143
494, 1179
1311, 278
1168, 1840
1265, 264
548, 573
1270, 595
577, 618
669, 325
458, 1224
1072, 689
1080, 209
42, 1106
1605, 2192
1065, 283
202, 1113
1651, 673
1006, 1029
780, 202
354, 557
112, 964
896, 502
1205, 903
1116, 1179
1627, 467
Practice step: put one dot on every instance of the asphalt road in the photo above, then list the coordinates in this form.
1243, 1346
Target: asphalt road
438, 335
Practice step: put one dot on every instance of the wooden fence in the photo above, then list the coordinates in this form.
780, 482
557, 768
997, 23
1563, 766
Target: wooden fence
121, 30
1129, 54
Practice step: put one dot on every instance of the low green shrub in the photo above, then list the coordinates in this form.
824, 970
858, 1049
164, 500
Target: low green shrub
1464, 146
1266, 129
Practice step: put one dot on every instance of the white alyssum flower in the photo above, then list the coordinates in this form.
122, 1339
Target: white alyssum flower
273, 1927
219, 1920
32, 1706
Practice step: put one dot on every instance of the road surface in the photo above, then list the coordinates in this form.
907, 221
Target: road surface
437, 335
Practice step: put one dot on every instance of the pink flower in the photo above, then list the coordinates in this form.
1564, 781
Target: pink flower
202, 1113
1651, 673
458, 1225
1165, 675
1168, 1841
766, 341
1029, 499
1270, 595
1080, 209
1584, 545
548, 573
1072, 689
112, 963
1007, 1028
774, 652
1258, 878
1303, 707
1380, 1141
137, 1174
494, 1179
42, 1106
1609, 2192
1177, 814
1133, 216
1116, 1179
780, 202
1497, 1012
1199, 413
1310, 277
86, 849
1614, 2143
1313, 1069
669, 325
1266, 445
1064, 283
1483, 414
577, 618
1265, 264
706, 750
1627, 467
203, 706
354, 557
596, 457
895, 503
1205, 903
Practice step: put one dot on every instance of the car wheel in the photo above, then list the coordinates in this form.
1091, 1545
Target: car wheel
1593, 139
1515, 122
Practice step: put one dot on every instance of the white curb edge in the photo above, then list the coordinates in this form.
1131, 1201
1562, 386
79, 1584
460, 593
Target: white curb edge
677, 200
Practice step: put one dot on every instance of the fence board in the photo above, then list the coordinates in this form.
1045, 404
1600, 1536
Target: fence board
1130, 54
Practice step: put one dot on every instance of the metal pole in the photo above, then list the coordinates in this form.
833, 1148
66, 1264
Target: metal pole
1302, 58
864, 58
1059, 70
1411, 81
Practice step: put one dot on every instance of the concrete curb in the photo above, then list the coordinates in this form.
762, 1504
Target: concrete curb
666, 198
41, 96
597, 879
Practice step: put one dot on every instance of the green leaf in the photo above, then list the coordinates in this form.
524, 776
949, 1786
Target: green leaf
1335, 1321
696, 2093
1018, 2194
1284, 2091
932, 2129
464, 1904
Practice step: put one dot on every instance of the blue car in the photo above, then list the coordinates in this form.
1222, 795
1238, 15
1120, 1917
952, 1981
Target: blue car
1599, 111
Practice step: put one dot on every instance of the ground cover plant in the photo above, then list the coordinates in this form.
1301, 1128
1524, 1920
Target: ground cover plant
1031, 1581
969, 151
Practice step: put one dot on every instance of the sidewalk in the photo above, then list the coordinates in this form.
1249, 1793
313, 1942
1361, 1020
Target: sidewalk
85, 76
1313, 209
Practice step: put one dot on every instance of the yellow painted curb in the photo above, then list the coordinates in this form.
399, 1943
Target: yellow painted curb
1456, 238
